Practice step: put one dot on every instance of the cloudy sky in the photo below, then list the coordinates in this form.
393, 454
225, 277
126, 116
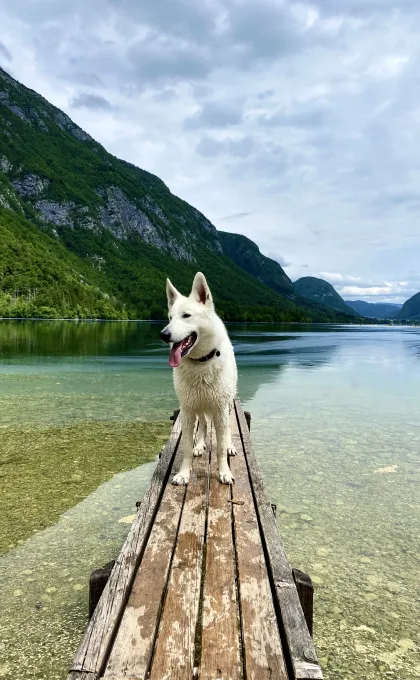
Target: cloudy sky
295, 123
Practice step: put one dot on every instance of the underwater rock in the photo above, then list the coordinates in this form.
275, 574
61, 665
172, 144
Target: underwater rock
127, 519
386, 470
306, 518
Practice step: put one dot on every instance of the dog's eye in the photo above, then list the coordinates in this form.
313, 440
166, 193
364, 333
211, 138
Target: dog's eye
186, 316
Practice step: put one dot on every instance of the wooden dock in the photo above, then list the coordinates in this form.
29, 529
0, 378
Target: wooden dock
202, 587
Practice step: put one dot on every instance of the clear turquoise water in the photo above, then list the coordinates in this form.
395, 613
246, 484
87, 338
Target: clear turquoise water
336, 431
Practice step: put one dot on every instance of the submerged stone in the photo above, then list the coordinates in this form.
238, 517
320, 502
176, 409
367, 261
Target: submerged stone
127, 519
306, 518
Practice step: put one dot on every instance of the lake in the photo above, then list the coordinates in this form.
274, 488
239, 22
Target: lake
84, 409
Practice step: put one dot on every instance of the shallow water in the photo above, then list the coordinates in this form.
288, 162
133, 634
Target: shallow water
336, 431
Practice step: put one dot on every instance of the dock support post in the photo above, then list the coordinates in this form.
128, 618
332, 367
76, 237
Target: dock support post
305, 590
97, 582
175, 415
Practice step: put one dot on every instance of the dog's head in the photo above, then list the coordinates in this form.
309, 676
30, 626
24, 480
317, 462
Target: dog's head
191, 319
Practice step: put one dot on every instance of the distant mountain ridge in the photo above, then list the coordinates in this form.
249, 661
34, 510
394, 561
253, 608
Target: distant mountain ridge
411, 309
374, 310
322, 292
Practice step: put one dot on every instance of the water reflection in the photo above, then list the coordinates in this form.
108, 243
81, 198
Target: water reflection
59, 372
73, 338
263, 357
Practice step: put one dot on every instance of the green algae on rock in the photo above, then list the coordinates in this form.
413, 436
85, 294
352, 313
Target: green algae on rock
48, 599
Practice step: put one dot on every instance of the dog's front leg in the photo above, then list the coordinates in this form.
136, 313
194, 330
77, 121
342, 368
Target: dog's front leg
221, 423
188, 426
200, 444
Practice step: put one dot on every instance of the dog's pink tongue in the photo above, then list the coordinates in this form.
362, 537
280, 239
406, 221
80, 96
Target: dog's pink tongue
175, 355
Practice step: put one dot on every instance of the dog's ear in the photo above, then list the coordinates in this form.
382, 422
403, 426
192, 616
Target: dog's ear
171, 293
200, 290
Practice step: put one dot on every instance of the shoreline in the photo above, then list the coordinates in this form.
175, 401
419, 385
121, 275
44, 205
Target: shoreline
379, 322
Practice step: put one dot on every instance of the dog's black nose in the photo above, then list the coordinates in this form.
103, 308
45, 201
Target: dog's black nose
165, 336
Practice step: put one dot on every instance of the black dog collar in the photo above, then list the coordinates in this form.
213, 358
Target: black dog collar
208, 356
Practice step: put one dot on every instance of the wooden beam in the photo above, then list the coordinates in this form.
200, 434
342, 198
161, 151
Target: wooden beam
134, 643
262, 646
220, 656
97, 582
305, 591
95, 647
173, 657
303, 658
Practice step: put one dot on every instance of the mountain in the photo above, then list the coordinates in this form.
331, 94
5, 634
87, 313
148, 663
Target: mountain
411, 309
246, 254
85, 234
322, 292
374, 310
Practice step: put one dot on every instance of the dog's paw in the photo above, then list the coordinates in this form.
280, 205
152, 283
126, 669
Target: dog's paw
181, 479
199, 450
231, 451
226, 477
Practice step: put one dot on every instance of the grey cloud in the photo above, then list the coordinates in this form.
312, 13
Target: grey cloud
186, 19
365, 8
87, 79
4, 52
156, 61
236, 216
265, 94
398, 197
165, 95
90, 101
182, 41
208, 146
340, 281
263, 29
215, 115
44, 12
311, 118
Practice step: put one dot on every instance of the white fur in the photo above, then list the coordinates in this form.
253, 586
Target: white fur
204, 388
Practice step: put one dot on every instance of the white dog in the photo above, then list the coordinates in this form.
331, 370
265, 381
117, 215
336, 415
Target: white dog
205, 374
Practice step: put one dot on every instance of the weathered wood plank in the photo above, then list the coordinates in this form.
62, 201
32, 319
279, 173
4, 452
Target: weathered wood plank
220, 641
174, 650
301, 649
305, 591
95, 646
133, 647
262, 647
